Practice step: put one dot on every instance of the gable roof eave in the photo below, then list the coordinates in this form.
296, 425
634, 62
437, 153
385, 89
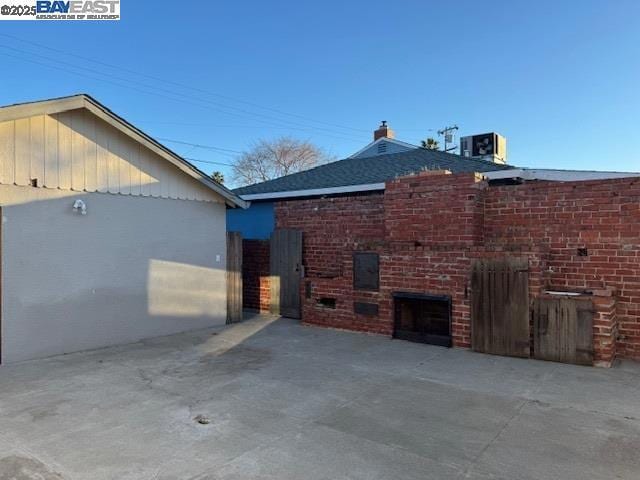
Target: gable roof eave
63, 104
381, 139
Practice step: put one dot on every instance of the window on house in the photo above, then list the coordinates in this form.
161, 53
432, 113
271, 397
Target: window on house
366, 271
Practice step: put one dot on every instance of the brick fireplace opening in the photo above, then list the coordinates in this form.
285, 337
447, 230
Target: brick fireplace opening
422, 318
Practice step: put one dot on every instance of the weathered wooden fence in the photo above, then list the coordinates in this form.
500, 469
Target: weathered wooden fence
234, 277
563, 330
500, 306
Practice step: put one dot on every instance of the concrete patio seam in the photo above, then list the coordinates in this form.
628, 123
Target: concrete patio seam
477, 458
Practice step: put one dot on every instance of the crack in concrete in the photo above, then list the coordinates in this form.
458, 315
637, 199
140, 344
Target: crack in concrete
467, 472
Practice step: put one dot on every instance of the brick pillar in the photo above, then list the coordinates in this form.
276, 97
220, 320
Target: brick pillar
605, 327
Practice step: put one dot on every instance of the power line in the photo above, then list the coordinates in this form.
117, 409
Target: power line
220, 107
186, 86
127, 84
285, 127
185, 158
30, 60
209, 147
208, 162
201, 102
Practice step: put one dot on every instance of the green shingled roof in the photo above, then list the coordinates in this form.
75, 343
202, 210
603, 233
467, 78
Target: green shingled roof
378, 169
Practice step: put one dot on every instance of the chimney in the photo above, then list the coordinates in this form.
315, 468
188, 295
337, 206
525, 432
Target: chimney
383, 131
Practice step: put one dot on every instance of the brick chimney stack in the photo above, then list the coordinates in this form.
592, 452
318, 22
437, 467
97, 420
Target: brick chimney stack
383, 131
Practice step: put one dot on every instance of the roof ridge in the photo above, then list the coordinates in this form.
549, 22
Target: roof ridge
373, 169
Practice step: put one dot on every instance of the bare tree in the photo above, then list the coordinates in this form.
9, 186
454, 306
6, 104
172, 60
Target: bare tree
272, 159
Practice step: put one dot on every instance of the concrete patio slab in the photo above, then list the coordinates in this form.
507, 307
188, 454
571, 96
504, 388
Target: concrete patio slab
286, 401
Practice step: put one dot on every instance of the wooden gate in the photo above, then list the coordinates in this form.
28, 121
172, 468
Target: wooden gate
500, 306
286, 272
563, 330
234, 277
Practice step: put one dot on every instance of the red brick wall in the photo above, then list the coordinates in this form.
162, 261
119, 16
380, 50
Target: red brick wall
333, 229
427, 229
601, 216
423, 228
255, 274
434, 225
434, 209
431, 223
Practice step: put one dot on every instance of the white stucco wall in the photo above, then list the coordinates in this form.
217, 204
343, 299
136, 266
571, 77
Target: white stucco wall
132, 268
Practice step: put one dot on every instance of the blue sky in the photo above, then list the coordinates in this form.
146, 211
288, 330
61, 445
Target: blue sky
559, 79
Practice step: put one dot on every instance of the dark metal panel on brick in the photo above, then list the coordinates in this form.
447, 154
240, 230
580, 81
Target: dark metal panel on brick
364, 308
366, 271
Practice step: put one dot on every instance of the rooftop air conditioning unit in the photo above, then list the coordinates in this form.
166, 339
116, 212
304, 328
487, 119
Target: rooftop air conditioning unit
486, 146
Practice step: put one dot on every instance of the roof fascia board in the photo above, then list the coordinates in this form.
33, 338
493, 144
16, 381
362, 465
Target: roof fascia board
46, 107
368, 187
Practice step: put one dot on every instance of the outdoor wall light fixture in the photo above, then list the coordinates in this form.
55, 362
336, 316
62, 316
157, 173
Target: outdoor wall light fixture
80, 207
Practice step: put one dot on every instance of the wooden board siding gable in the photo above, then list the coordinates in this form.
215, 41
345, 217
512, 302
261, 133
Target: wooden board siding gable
76, 150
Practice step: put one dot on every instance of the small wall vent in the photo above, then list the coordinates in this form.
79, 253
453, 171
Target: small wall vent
327, 302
